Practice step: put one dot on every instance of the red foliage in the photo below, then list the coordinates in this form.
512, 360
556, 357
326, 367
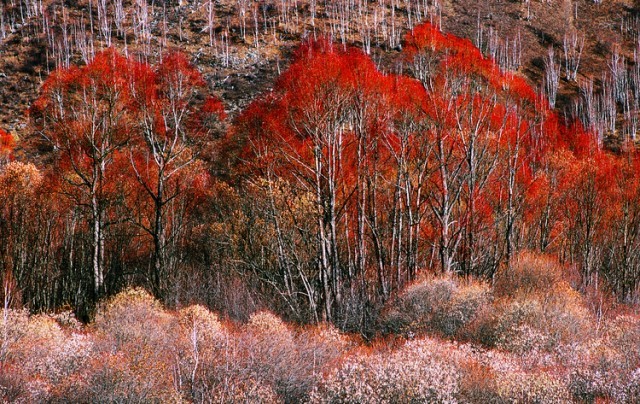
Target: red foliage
7, 143
214, 106
332, 106
126, 134
456, 160
311, 101
460, 57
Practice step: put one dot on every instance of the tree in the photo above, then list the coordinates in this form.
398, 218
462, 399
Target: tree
86, 114
174, 120
116, 111
573, 44
412, 152
311, 141
552, 76
468, 102
586, 199
321, 130
19, 183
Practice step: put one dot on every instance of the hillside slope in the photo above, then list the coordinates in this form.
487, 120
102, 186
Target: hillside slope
240, 46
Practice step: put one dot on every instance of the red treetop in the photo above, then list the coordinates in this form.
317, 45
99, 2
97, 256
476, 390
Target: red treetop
459, 55
7, 143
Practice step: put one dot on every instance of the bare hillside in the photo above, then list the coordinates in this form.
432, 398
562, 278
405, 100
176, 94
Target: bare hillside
241, 46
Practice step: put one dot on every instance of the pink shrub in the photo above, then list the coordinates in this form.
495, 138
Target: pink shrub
420, 371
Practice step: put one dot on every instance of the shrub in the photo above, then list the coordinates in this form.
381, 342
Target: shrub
45, 350
532, 388
35, 347
322, 344
222, 364
444, 306
134, 327
12, 384
586, 385
517, 326
420, 371
269, 351
607, 367
568, 320
596, 371
632, 388
623, 333
528, 274
270, 343
40, 355
530, 327
245, 391
535, 312
111, 377
268, 324
478, 382
67, 320
316, 349
126, 316
199, 346
199, 324
13, 326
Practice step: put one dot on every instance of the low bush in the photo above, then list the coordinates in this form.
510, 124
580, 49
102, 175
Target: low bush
623, 333
540, 387
136, 335
534, 313
528, 274
420, 371
442, 306
538, 347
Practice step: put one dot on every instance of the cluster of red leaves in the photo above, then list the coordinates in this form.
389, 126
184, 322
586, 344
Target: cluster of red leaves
7, 143
460, 56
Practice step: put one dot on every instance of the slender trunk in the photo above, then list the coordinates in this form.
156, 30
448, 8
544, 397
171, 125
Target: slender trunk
510, 216
322, 238
159, 241
98, 277
379, 249
445, 210
333, 250
361, 253
334, 263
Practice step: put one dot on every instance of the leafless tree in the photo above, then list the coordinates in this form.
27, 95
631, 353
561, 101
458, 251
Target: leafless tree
104, 22
552, 77
120, 17
573, 44
618, 76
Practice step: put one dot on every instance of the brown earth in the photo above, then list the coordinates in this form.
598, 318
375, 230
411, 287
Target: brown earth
250, 66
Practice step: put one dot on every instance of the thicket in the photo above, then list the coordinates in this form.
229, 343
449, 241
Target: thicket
533, 342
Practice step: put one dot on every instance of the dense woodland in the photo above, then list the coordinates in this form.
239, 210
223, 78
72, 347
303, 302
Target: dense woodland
322, 199
442, 231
